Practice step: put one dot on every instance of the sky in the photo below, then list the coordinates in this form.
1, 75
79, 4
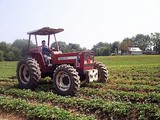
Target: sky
85, 22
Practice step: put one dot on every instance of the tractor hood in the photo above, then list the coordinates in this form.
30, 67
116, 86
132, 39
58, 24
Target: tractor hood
45, 31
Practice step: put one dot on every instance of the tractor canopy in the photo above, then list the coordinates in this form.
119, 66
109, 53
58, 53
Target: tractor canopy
45, 31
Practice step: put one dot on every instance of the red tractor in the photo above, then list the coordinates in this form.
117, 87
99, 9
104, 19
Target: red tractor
67, 70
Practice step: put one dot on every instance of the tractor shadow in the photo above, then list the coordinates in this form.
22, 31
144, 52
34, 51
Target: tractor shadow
45, 85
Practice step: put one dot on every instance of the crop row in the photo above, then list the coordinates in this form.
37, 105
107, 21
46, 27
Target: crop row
137, 76
110, 94
114, 95
124, 87
114, 86
106, 94
144, 69
134, 82
100, 108
136, 73
9, 84
39, 111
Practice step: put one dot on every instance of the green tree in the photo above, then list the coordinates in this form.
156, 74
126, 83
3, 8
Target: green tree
142, 41
22, 44
156, 41
127, 42
4, 46
74, 47
115, 46
1, 55
10, 53
62, 46
102, 49
16, 53
71, 47
9, 56
105, 51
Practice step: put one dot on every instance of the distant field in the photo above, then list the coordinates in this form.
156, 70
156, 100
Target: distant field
132, 92
114, 61
7, 69
132, 67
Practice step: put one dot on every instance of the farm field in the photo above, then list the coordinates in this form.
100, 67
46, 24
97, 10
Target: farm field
132, 92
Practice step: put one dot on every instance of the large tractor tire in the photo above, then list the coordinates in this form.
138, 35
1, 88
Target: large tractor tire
66, 80
28, 73
102, 72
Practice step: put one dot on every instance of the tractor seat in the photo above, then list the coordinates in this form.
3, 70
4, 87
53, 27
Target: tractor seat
57, 52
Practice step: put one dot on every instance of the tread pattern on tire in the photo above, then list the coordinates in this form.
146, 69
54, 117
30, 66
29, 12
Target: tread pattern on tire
75, 80
102, 69
34, 70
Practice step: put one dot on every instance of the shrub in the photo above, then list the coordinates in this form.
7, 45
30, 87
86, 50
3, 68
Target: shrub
1, 55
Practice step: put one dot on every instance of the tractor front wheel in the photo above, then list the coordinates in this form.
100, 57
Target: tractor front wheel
102, 72
28, 73
66, 80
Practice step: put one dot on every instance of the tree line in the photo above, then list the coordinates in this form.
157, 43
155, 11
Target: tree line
144, 42
14, 51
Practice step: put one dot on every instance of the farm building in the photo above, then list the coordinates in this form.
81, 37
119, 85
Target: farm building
135, 51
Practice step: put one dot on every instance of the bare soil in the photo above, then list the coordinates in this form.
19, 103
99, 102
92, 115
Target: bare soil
10, 116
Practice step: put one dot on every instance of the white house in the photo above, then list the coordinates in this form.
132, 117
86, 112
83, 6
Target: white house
135, 51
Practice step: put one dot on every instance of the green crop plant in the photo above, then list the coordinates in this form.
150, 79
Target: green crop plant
132, 92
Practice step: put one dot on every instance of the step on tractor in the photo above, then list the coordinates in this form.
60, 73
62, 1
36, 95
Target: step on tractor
68, 71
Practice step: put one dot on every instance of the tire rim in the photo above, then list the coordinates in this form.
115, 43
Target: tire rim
63, 81
24, 74
99, 73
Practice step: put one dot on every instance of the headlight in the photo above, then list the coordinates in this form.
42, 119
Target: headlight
88, 61
91, 61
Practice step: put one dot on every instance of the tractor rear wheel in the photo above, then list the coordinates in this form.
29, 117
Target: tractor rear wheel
102, 72
28, 73
66, 80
